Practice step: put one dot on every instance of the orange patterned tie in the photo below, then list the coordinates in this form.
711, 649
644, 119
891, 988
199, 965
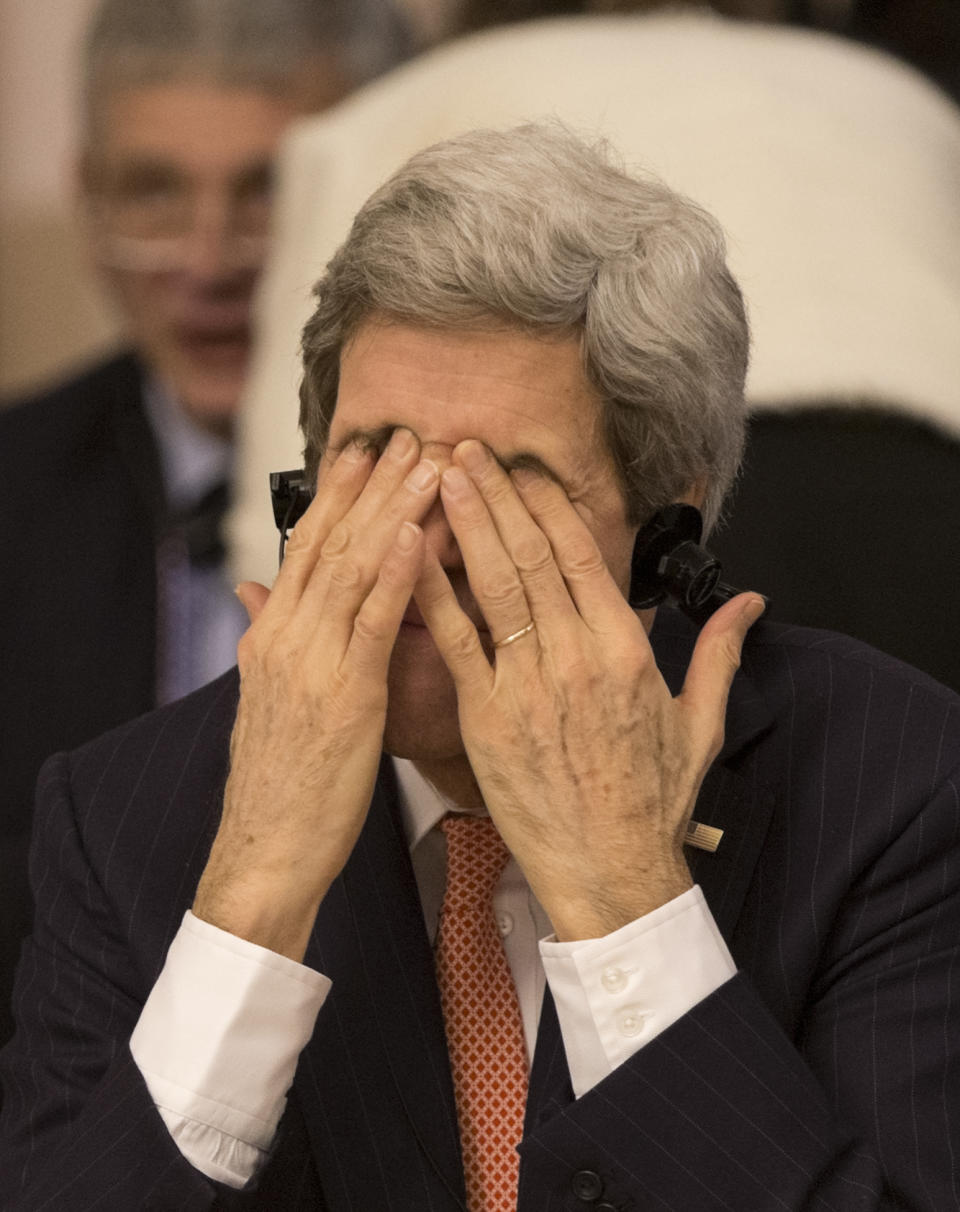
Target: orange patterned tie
482, 1016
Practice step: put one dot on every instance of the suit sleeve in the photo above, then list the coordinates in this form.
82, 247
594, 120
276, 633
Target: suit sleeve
78, 1121
856, 1108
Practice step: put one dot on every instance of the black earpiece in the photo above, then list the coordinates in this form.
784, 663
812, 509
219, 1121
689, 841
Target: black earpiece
290, 495
669, 562
667, 558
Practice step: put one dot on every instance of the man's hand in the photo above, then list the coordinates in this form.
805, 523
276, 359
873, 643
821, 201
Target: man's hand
313, 665
588, 765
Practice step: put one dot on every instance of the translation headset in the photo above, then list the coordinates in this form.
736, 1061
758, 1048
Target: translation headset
668, 561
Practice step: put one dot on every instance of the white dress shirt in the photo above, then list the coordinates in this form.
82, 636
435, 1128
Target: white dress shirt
220, 1035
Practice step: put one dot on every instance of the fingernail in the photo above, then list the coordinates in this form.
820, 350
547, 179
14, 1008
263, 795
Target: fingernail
472, 455
423, 476
354, 452
455, 482
407, 536
402, 443
754, 609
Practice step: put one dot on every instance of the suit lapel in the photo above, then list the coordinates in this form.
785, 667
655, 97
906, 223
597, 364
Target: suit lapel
374, 1082
730, 801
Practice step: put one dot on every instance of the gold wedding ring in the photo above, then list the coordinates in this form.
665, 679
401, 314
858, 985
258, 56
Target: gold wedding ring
516, 635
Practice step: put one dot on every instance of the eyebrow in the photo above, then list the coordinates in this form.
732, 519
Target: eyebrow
377, 437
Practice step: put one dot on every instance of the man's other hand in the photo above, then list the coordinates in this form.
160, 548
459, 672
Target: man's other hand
588, 765
313, 694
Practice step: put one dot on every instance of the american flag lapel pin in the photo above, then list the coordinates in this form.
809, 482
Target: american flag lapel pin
703, 837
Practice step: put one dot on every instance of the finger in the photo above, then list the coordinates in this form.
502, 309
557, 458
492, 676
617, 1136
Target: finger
378, 619
343, 483
453, 633
715, 661
524, 541
351, 559
253, 597
493, 576
596, 595
345, 499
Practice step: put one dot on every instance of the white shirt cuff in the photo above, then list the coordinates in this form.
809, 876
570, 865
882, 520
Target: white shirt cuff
218, 1041
617, 993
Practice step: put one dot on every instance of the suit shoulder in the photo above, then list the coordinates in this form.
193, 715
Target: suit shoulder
42, 424
774, 651
819, 691
774, 648
176, 752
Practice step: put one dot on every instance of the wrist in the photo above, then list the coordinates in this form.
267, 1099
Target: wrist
609, 902
272, 911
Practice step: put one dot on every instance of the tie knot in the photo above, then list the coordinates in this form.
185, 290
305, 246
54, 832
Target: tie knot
476, 857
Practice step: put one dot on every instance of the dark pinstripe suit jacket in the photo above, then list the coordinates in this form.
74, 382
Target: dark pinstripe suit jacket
825, 1075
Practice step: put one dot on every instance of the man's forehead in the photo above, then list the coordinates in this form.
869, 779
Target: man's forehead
523, 394
190, 119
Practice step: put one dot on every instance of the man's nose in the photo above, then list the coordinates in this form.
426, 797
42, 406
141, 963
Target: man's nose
436, 529
209, 248
439, 537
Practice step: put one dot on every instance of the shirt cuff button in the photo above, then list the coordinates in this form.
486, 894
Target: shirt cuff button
631, 1021
614, 980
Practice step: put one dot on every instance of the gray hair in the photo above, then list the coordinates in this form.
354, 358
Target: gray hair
535, 229
250, 43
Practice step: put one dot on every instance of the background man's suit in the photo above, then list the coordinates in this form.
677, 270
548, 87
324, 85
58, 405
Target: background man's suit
81, 485
831, 1057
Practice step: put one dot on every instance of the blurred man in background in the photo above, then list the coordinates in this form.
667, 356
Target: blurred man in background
115, 482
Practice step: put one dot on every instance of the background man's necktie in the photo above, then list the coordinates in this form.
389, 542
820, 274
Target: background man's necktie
190, 544
481, 1012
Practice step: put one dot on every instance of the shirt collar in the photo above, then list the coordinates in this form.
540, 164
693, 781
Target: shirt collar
192, 459
422, 806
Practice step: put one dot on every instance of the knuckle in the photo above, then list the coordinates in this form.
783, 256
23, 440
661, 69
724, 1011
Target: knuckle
368, 628
461, 643
501, 589
337, 542
533, 553
301, 538
346, 573
581, 558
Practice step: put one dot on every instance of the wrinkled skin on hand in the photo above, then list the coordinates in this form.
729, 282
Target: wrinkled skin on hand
586, 762
313, 665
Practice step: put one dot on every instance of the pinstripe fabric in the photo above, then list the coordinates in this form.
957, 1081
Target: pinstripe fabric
826, 1075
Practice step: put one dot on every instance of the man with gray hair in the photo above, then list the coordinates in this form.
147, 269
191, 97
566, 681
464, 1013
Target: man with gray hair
488, 885
119, 477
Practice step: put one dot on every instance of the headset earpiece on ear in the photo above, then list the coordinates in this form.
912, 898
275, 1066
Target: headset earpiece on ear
291, 495
669, 562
